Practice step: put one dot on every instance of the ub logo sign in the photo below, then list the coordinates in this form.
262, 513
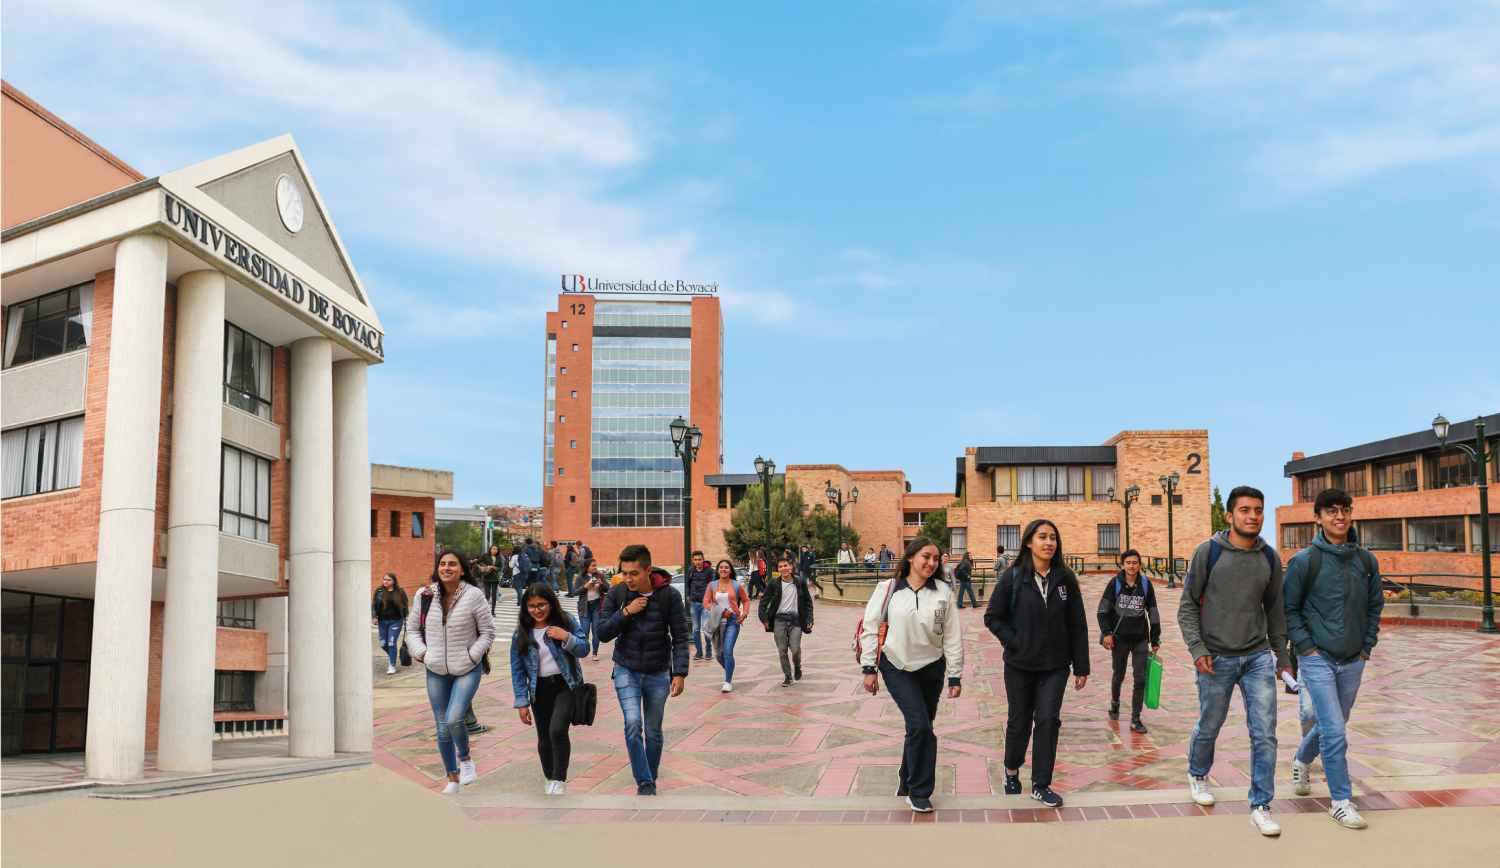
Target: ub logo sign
574, 283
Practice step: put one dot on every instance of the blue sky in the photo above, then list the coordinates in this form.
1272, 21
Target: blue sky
935, 225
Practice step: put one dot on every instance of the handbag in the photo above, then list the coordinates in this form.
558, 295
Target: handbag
859, 629
585, 699
405, 654
1153, 682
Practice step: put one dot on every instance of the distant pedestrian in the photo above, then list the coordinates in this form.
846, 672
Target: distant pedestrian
544, 669
1129, 628
1233, 619
450, 633
572, 560
757, 574
555, 557
648, 623
1002, 563
786, 611
964, 573
1037, 613
870, 557
947, 567
494, 566
912, 638
525, 570
726, 593
884, 557
1333, 605
695, 584
534, 558
388, 611
846, 558
590, 600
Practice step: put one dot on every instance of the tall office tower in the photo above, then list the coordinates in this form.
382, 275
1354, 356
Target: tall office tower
619, 370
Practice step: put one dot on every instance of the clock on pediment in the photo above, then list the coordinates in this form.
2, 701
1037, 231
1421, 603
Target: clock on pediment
289, 203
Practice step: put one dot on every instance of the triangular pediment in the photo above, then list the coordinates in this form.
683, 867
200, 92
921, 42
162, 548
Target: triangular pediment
251, 193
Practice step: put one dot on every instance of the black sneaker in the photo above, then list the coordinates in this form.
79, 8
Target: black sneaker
901, 790
697, 656
1137, 726
786, 682
797, 674
645, 789
919, 804
1045, 795
1012, 784
1114, 709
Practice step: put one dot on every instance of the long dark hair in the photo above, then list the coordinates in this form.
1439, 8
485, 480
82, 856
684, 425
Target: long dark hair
397, 593
1023, 565
463, 571
724, 563
556, 617
903, 566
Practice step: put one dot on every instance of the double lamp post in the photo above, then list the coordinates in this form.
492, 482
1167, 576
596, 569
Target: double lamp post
836, 497
766, 468
1481, 456
685, 441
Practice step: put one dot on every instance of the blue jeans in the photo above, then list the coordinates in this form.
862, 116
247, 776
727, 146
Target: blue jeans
643, 700
569, 572
1332, 688
696, 614
552, 574
726, 653
450, 696
590, 621
1256, 676
967, 585
390, 637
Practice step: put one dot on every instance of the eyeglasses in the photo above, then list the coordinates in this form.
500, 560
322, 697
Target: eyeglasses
1339, 511
537, 607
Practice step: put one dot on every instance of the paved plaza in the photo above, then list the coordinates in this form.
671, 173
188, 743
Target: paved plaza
1425, 732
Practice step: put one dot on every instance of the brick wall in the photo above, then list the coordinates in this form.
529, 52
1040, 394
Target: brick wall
877, 515
708, 531
410, 559
238, 650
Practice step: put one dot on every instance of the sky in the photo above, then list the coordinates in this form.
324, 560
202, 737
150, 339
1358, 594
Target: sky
933, 225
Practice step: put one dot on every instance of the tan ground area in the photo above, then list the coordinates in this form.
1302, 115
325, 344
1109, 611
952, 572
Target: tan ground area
375, 817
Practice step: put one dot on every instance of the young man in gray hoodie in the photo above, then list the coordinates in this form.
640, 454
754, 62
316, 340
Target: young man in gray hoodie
1232, 619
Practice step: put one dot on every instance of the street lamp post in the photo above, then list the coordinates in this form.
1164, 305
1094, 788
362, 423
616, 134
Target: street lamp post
685, 440
1132, 494
1481, 456
836, 497
1169, 486
766, 468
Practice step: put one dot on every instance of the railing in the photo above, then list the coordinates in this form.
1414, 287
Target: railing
1411, 587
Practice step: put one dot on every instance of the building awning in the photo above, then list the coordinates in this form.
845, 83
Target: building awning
720, 480
1007, 456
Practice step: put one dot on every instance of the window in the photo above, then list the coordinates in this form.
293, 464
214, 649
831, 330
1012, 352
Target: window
1476, 544
396, 522
914, 519
1449, 470
565, 323
1049, 483
374, 523
575, 393
958, 541
1000, 486
237, 613
565, 371
46, 648
1309, 487
1355, 481
56, 323
575, 348
416, 525
1435, 534
636, 507
245, 486
1103, 479
1177, 500
1156, 500
1008, 536
1396, 476
1109, 539
572, 498
43, 458
248, 362
572, 444
234, 691
1297, 536
1380, 536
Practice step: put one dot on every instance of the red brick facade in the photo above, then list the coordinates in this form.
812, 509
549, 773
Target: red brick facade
411, 559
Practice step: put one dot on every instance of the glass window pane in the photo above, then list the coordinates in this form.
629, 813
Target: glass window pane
78, 619
231, 480
263, 489
13, 454
25, 334
229, 523
47, 475
50, 333
247, 485
263, 531
15, 623
53, 303
33, 459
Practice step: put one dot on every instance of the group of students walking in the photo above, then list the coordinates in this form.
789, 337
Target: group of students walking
1238, 614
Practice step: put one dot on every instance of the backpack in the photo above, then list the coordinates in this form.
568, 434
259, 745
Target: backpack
426, 595
544, 558
1214, 551
1315, 562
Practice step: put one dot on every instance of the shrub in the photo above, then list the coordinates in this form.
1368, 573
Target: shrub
1469, 596
1440, 595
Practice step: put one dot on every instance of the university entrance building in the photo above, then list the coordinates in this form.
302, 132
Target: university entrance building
186, 478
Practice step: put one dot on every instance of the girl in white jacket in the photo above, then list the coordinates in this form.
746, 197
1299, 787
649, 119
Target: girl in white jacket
912, 638
450, 629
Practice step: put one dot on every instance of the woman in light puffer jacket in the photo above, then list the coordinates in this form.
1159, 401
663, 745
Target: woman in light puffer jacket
457, 634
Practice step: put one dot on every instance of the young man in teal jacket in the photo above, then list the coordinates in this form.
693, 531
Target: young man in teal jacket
1333, 601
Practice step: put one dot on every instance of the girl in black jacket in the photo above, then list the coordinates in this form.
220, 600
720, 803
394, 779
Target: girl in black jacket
1037, 613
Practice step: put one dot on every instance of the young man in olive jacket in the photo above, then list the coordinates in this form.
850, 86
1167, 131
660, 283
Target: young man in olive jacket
1129, 628
1333, 604
786, 611
1234, 624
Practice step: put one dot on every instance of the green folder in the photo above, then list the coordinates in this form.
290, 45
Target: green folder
1153, 683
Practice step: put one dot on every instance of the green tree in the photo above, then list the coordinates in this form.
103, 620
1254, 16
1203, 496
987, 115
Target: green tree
823, 533
461, 536
1216, 513
936, 527
747, 527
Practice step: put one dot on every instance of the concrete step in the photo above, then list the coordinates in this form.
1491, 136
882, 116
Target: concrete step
270, 769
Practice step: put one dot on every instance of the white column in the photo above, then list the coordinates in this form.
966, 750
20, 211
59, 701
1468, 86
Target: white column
116, 744
310, 603
189, 632
353, 716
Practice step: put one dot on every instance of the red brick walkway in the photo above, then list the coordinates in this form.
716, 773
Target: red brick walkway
1425, 731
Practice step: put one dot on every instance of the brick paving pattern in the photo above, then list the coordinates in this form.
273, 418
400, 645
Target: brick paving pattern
1428, 712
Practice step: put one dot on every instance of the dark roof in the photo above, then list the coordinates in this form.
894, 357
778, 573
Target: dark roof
722, 479
1422, 441
1005, 456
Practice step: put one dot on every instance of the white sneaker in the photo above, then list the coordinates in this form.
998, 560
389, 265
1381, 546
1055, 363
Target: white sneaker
726, 688
452, 787
1263, 821
552, 788
1199, 786
466, 772
390, 670
559, 788
1301, 778
1342, 811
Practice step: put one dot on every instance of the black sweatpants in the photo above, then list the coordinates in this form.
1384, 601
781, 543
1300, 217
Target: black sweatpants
916, 694
1136, 653
552, 712
1034, 696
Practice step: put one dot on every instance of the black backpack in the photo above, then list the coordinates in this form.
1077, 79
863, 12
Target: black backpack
544, 558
